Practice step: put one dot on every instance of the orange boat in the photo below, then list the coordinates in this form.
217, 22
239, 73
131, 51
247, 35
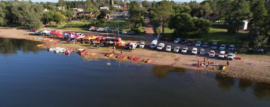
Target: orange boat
121, 57
147, 60
136, 59
131, 57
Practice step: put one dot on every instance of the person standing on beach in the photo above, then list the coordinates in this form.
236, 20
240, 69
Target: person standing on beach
121, 52
228, 63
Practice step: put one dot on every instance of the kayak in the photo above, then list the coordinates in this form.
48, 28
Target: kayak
136, 59
39, 45
109, 55
68, 51
60, 50
54, 48
82, 51
147, 60
131, 57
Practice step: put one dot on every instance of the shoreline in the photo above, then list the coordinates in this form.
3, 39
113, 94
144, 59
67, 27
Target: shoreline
255, 69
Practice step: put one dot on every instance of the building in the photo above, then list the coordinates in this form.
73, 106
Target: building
45, 10
61, 8
87, 14
104, 8
116, 6
119, 15
78, 9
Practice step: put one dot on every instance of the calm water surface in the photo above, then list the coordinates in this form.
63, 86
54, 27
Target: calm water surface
30, 77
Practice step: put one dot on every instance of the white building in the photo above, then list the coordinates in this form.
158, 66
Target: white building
104, 8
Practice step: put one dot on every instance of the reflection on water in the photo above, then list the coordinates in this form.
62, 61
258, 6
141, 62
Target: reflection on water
11, 46
262, 90
224, 82
162, 71
65, 81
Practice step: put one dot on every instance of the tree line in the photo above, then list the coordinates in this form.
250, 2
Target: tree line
193, 18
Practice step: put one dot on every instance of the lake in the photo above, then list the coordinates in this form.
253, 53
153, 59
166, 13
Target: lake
32, 77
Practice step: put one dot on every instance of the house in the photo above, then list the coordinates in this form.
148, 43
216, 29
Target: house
116, 6
61, 8
45, 10
87, 14
119, 15
78, 9
104, 8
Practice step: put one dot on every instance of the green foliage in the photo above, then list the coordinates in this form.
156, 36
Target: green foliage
135, 15
182, 24
195, 9
163, 10
201, 26
59, 17
260, 41
146, 4
181, 9
2, 13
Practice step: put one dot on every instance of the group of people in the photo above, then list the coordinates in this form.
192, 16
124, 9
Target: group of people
207, 62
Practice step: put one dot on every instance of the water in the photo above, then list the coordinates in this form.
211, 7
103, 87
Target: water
30, 77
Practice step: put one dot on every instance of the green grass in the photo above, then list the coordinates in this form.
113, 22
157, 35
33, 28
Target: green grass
83, 25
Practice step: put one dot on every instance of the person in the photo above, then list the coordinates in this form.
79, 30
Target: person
114, 47
204, 59
207, 64
129, 48
228, 63
121, 52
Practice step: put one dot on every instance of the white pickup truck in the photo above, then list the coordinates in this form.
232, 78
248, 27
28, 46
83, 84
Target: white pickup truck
160, 46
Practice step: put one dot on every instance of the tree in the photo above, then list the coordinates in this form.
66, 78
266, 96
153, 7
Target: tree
259, 12
201, 26
146, 4
178, 9
135, 15
260, 41
59, 17
103, 14
182, 24
195, 9
2, 13
224, 8
206, 9
163, 11
61, 2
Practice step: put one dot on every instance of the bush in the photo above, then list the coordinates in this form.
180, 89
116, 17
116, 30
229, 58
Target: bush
51, 25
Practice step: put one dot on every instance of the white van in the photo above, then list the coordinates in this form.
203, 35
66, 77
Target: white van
133, 45
153, 44
221, 55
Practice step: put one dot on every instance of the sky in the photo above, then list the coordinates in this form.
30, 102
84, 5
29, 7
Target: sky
141, 0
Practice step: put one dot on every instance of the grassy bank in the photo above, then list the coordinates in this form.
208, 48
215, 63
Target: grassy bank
83, 25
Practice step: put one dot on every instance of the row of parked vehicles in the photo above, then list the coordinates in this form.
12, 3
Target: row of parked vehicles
194, 51
101, 29
204, 45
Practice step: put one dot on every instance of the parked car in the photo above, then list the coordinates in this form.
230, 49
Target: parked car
231, 48
184, 50
169, 48
126, 46
198, 43
153, 44
230, 56
45, 32
214, 45
191, 42
36, 33
212, 53
194, 51
133, 45
142, 45
176, 49
160, 46
260, 50
92, 28
221, 55
202, 51
183, 41
205, 44
100, 29
131, 32
122, 32
222, 47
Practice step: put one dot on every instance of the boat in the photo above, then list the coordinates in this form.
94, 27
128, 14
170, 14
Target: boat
39, 45
109, 55
121, 57
82, 51
147, 60
54, 48
224, 67
131, 57
60, 50
136, 59
68, 51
